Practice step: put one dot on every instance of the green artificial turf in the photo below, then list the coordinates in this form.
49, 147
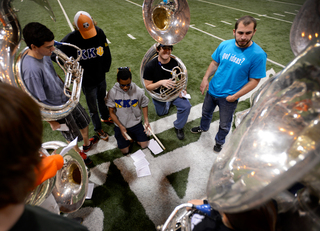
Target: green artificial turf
179, 181
121, 207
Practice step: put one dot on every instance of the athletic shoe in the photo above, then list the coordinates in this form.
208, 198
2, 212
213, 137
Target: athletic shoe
103, 135
180, 133
196, 130
217, 148
92, 140
85, 158
108, 121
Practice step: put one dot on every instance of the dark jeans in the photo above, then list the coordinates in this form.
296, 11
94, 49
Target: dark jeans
226, 110
93, 96
183, 110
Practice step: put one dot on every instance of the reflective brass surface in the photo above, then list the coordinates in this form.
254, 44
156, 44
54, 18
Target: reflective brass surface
71, 183
181, 79
305, 29
276, 144
10, 37
167, 23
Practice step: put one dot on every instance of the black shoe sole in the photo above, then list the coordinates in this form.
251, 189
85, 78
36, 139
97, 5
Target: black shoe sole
217, 149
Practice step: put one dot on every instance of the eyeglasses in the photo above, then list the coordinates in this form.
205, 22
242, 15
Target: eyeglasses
125, 85
123, 68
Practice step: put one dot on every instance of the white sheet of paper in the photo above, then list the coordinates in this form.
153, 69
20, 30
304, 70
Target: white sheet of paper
141, 163
143, 171
138, 155
69, 146
154, 147
187, 96
63, 128
90, 190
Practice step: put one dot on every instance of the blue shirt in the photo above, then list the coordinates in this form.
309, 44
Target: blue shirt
236, 66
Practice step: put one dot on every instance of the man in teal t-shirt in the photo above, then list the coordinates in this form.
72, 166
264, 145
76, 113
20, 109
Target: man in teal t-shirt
237, 66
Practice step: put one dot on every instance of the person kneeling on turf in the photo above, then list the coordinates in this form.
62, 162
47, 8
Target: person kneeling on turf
125, 102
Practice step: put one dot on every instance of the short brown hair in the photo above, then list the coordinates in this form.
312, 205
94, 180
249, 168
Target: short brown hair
21, 138
246, 20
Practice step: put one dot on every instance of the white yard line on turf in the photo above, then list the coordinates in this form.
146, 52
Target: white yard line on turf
210, 24
279, 14
294, 4
134, 3
66, 16
130, 36
249, 12
290, 13
226, 22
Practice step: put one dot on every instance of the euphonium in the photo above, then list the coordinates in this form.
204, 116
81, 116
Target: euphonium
167, 22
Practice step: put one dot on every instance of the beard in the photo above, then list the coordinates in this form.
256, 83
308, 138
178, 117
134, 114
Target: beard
242, 45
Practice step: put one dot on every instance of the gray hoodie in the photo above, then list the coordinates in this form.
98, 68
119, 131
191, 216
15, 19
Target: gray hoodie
127, 104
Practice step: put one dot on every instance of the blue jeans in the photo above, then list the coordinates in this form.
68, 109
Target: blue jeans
226, 110
94, 95
183, 110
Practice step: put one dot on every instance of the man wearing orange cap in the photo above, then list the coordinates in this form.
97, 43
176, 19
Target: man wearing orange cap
96, 61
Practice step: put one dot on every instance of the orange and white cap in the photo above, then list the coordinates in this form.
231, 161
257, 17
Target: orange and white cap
84, 23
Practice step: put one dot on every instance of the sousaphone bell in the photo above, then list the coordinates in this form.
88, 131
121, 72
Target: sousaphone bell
167, 22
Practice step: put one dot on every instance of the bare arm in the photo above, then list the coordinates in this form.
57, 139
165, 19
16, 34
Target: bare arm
150, 85
145, 116
210, 72
117, 122
244, 90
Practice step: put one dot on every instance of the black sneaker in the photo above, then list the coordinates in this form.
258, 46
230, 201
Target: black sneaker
196, 130
85, 158
93, 140
180, 133
217, 148
88, 161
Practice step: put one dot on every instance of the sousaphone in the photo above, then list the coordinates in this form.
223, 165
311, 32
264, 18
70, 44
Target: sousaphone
11, 70
70, 184
277, 144
167, 22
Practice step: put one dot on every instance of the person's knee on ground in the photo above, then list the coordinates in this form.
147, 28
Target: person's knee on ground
162, 108
125, 150
143, 144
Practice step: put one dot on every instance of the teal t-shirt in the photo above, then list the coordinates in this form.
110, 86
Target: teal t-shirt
236, 66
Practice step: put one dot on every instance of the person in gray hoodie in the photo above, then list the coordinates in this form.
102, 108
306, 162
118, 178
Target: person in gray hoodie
127, 103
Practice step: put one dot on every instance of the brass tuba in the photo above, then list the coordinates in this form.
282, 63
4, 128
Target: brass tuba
167, 22
9, 44
69, 186
73, 77
277, 144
